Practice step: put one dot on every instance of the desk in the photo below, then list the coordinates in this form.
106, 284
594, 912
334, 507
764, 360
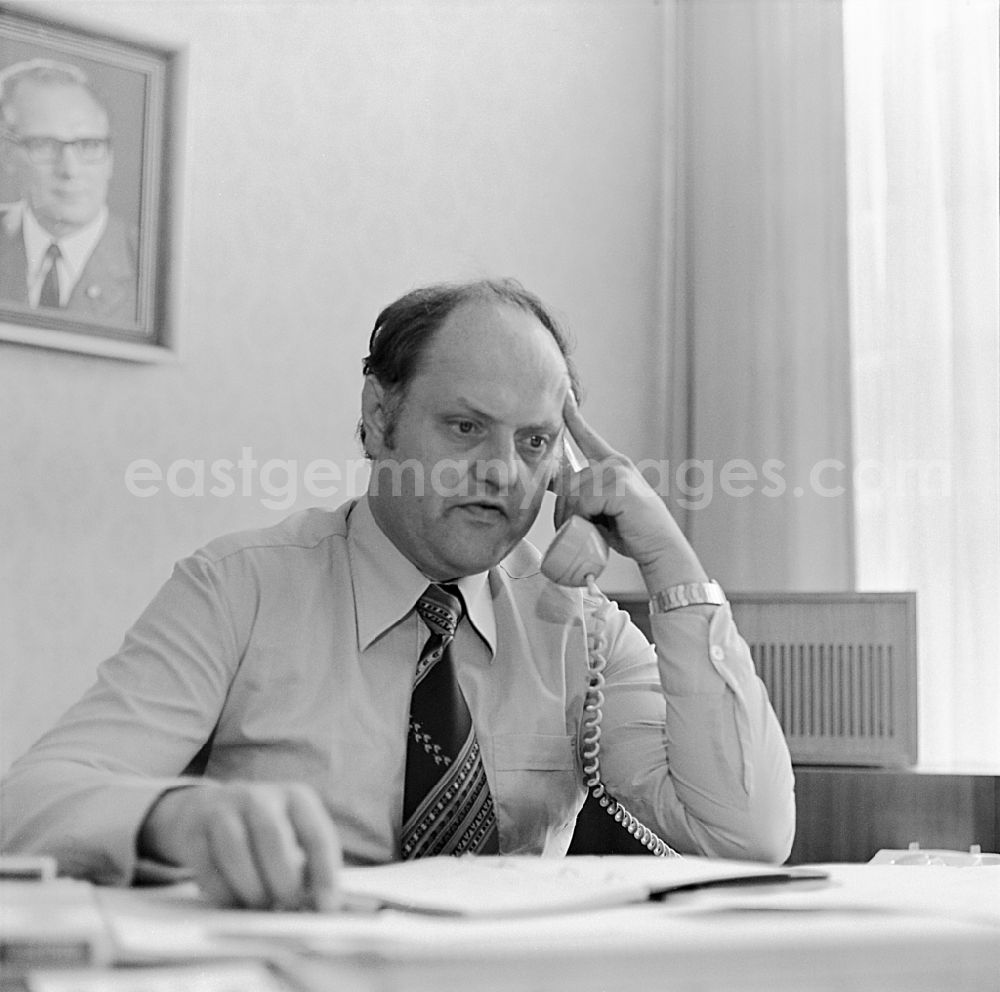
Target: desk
652, 950
884, 928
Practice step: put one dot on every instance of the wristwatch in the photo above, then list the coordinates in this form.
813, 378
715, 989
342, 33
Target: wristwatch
687, 594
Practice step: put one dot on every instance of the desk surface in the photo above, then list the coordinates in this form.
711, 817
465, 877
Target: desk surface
872, 927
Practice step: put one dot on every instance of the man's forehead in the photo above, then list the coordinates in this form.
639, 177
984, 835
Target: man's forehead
499, 363
486, 327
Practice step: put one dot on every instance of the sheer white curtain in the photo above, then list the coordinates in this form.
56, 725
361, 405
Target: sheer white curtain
921, 100
763, 295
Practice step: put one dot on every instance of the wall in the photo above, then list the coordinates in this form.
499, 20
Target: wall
334, 155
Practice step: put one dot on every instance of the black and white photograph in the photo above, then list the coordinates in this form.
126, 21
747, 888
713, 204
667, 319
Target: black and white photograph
499, 495
84, 242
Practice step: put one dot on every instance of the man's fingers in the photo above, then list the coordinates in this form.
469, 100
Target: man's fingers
230, 857
210, 880
593, 446
261, 845
276, 850
318, 837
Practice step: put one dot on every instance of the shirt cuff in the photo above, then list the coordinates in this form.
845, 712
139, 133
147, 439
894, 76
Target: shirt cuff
690, 645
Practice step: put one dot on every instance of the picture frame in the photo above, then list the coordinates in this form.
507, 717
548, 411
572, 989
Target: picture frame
117, 292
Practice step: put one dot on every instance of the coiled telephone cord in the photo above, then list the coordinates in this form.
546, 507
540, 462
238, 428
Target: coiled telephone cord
591, 746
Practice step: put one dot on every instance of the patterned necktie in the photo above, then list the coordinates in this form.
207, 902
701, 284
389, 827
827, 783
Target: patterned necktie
447, 806
49, 296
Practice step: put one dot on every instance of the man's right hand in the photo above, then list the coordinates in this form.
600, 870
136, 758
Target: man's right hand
251, 844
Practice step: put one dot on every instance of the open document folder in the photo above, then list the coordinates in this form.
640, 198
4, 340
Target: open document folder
494, 886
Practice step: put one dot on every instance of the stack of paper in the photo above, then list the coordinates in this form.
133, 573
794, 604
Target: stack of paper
513, 886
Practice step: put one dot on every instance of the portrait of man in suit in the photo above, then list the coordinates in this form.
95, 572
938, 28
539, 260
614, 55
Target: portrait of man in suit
61, 247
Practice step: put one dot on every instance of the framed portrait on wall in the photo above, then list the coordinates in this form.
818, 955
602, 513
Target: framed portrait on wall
87, 169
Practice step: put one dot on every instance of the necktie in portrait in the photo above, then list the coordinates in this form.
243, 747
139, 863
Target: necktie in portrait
49, 296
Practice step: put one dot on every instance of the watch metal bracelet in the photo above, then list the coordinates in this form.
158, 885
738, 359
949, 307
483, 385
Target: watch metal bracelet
687, 594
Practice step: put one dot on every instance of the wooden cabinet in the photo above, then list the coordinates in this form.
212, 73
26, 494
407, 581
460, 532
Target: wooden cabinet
848, 814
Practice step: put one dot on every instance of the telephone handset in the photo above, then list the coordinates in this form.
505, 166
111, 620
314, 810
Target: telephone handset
577, 555
578, 550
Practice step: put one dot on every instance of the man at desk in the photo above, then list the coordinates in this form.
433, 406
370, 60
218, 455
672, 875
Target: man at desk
397, 677
60, 247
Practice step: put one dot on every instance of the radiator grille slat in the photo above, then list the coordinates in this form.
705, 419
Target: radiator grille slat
829, 690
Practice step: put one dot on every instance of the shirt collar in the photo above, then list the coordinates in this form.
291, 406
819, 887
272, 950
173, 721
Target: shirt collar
475, 591
387, 584
74, 248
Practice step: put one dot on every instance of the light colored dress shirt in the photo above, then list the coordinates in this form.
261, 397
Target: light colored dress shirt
289, 654
74, 250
